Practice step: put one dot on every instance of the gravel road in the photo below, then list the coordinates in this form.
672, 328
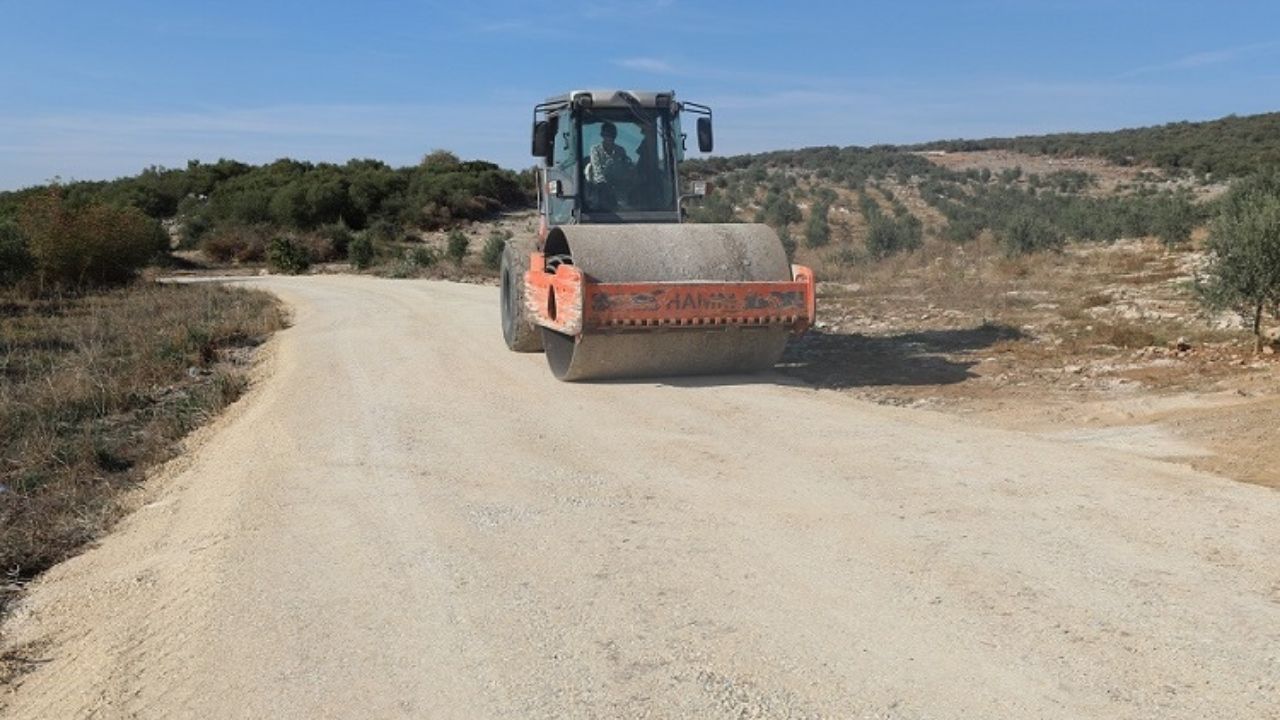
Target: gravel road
403, 520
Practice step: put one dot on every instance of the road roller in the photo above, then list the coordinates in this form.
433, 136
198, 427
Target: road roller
616, 284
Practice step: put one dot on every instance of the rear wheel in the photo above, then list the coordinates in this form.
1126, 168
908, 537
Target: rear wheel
518, 329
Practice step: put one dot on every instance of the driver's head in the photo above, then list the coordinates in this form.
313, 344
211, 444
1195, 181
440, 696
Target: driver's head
608, 133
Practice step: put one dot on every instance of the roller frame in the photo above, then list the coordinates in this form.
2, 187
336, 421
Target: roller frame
569, 302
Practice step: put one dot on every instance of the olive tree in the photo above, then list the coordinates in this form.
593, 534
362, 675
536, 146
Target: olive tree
1243, 272
817, 231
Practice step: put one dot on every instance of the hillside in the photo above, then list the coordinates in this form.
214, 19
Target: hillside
1227, 147
1033, 290
1031, 193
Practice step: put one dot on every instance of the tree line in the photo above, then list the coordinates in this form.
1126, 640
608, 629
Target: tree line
1232, 146
99, 232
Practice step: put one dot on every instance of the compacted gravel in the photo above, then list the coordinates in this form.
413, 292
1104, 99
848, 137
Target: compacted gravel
402, 519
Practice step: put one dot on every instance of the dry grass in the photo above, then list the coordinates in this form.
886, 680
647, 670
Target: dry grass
95, 388
1090, 303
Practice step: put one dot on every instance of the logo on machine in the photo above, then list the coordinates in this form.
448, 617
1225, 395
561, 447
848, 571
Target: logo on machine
700, 301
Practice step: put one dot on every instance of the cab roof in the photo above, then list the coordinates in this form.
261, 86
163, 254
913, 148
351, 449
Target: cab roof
615, 98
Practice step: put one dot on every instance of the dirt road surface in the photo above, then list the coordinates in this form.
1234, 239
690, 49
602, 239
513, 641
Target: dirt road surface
404, 520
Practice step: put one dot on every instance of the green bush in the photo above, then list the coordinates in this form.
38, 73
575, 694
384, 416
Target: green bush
1027, 233
962, 230
886, 236
287, 256
491, 254
384, 230
235, 243
360, 251
817, 232
195, 223
457, 245
715, 208
1010, 175
339, 236
778, 210
16, 262
423, 257
319, 249
788, 242
93, 244
845, 257
1175, 217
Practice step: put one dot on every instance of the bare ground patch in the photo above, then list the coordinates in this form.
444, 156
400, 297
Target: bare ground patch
1103, 341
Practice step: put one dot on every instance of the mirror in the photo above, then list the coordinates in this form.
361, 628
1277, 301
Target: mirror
704, 134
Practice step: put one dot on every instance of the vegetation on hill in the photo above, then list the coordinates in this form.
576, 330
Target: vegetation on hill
870, 188
1228, 147
854, 205
236, 212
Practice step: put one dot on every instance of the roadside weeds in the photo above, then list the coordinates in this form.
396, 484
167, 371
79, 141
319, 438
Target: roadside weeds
97, 388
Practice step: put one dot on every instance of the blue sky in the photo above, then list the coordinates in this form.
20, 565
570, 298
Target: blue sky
100, 90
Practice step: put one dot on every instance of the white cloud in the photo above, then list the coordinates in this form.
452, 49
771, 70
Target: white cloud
649, 65
1203, 59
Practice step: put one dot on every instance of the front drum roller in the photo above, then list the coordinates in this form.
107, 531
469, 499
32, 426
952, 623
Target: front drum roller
518, 328
683, 253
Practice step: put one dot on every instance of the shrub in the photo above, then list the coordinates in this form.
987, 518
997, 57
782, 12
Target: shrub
423, 257
491, 255
1174, 219
788, 242
1027, 233
886, 236
319, 248
715, 208
817, 232
90, 245
962, 229
457, 245
16, 262
384, 230
360, 251
339, 235
778, 210
238, 243
1129, 336
845, 257
287, 256
193, 221
1244, 252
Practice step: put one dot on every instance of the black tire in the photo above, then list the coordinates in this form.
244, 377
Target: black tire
518, 329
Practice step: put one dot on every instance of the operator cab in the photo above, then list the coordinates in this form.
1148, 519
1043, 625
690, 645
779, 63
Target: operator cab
612, 156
